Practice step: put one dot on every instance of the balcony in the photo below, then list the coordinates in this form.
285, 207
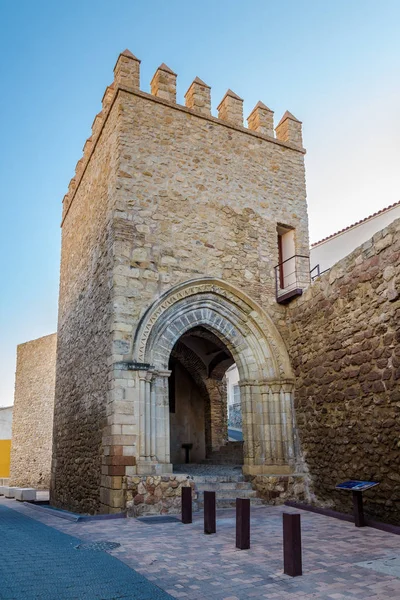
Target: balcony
292, 276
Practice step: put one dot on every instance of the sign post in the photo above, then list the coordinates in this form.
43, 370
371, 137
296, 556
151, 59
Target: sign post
357, 488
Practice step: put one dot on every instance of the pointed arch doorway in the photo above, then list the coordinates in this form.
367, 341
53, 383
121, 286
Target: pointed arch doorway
251, 341
198, 399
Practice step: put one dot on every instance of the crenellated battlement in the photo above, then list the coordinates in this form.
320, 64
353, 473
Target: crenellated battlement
163, 87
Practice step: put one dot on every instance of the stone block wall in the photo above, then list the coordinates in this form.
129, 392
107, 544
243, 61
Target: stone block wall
155, 495
32, 427
345, 348
163, 194
277, 489
85, 326
197, 196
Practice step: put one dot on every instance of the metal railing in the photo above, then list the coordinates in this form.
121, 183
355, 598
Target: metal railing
317, 273
292, 275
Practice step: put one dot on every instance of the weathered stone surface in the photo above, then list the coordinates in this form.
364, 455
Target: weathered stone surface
32, 429
84, 332
159, 495
164, 195
344, 345
279, 488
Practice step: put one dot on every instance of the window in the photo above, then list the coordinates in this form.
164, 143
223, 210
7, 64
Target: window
286, 252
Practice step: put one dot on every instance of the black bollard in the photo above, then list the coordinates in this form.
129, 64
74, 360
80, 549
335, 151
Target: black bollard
186, 505
209, 513
243, 523
358, 509
292, 545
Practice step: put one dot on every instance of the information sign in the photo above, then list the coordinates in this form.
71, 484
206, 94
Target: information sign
356, 486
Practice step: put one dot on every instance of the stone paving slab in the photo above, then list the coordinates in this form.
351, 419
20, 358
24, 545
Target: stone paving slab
38, 562
190, 565
389, 565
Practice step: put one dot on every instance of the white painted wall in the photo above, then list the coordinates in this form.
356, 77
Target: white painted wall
327, 253
289, 267
232, 378
5, 422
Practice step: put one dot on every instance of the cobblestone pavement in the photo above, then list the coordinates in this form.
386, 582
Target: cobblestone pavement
38, 562
190, 565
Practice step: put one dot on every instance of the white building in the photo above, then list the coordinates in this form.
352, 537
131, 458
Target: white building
333, 248
5, 422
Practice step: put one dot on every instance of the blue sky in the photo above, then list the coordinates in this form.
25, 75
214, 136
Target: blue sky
334, 65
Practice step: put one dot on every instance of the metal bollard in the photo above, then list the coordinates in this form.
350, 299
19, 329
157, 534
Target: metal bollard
209, 513
292, 564
186, 505
243, 523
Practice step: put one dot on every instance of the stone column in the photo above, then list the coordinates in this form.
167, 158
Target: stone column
247, 425
257, 418
162, 443
147, 416
142, 416
288, 422
266, 434
267, 409
217, 393
154, 423
275, 422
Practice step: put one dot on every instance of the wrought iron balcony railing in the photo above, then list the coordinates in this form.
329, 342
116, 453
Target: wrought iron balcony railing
291, 277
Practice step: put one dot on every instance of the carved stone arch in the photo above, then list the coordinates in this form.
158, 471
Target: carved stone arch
225, 300
266, 377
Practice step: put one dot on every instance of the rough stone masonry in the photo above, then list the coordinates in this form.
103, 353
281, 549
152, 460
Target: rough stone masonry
171, 222
169, 246
32, 428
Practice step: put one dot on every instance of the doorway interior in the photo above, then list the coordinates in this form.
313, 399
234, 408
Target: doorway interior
204, 401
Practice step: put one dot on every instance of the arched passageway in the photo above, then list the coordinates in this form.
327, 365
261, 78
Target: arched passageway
198, 397
236, 325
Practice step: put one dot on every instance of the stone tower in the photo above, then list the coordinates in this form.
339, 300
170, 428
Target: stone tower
172, 228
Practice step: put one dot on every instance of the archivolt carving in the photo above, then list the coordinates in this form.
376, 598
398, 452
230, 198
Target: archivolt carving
252, 321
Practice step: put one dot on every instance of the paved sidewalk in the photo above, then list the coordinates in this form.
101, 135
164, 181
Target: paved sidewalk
38, 562
189, 565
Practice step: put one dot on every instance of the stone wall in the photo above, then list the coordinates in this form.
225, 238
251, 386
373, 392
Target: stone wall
155, 495
277, 489
164, 194
345, 334
85, 328
199, 198
32, 427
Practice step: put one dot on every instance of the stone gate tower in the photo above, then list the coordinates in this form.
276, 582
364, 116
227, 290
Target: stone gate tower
172, 228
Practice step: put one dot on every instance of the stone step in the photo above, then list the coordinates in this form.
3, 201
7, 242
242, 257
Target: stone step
219, 461
228, 494
229, 503
229, 449
223, 485
218, 478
